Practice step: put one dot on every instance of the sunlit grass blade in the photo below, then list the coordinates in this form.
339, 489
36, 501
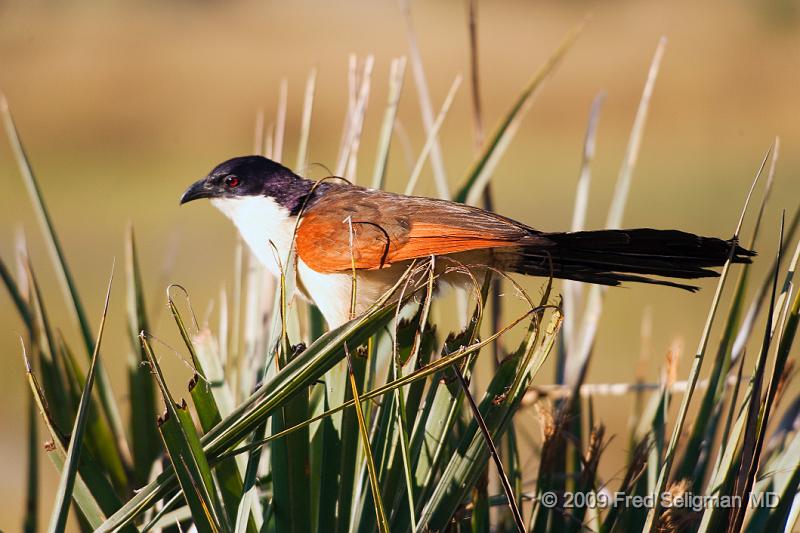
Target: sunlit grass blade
227, 472
433, 135
574, 290
289, 460
351, 139
383, 524
424, 97
479, 174
760, 406
581, 347
280, 121
58, 518
396, 76
694, 464
305, 123
168, 515
623, 186
694, 374
419, 355
783, 481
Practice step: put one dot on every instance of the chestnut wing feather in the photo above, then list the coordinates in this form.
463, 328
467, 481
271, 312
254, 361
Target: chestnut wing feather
387, 228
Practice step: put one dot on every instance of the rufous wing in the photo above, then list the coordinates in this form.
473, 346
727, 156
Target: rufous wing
349, 226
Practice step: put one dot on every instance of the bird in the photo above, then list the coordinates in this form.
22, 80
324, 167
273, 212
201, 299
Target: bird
337, 228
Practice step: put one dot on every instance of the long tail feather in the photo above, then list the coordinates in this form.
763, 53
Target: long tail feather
609, 257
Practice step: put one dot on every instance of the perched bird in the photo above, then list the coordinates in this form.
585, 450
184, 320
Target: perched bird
339, 226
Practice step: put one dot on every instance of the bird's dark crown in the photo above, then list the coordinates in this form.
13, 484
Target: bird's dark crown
251, 175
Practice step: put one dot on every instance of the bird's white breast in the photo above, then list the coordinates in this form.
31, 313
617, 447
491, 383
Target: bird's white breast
261, 221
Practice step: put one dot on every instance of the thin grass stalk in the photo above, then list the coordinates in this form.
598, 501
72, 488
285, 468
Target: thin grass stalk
572, 289
305, 122
480, 172
760, 408
160, 518
230, 322
352, 77
432, 137
652, 523
729, 421
594, 306
507, 489
402, 424
396, 77
749, 320
280, 121
620, 197
58, 518
478, 135
705, 426
383, 524
424, 97
346, 163
258, 133
287, 469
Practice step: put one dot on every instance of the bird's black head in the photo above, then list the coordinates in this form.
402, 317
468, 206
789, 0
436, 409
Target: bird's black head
250, 175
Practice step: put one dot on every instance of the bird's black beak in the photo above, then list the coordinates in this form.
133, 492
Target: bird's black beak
197, 190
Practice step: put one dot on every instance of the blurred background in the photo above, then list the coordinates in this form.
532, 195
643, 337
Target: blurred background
122, 105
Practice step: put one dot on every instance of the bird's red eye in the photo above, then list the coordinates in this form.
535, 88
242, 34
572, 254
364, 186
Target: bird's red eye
232, 181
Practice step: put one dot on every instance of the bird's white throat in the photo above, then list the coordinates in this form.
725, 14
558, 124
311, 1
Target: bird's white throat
261, 220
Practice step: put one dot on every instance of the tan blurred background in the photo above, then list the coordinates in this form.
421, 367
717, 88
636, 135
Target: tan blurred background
121, 105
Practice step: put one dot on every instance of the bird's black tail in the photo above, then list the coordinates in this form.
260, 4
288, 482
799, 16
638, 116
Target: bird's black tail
610, 257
